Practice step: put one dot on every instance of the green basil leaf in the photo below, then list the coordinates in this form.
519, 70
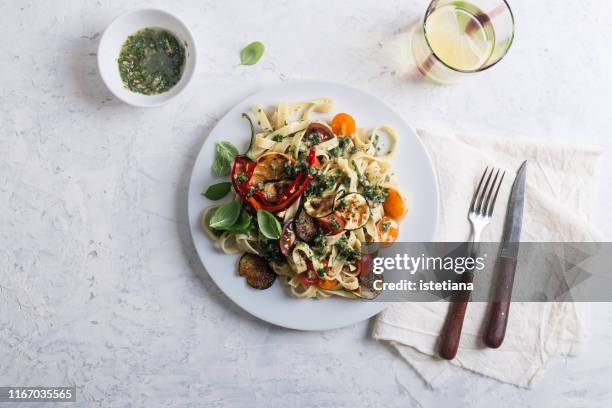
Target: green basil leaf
243, 224
209, 216
225, 216
222, 166
251, 53
217, 191
269, 225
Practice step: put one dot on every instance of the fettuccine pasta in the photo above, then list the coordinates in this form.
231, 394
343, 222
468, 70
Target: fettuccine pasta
312, 195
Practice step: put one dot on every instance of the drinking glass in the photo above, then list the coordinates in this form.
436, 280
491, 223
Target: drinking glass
456, 38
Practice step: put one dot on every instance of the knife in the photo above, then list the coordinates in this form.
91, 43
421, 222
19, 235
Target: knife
506, 262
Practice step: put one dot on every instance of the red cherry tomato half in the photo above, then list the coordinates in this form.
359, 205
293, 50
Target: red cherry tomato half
332, 224
364, 265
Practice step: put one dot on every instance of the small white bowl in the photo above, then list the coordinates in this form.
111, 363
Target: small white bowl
115, 35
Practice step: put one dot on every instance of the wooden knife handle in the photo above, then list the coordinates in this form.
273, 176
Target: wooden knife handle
498, 317
451, 333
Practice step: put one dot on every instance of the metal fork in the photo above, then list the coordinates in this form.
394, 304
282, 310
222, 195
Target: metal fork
482, 206
479, 214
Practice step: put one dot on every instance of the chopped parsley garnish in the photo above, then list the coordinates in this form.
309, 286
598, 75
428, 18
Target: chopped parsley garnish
344, 142
345, 251
319, 184
385, 226
292, 170
278, 138
376, 144
301, 166
314, 139
270, 250
375, 193
334, 223
319, 244
321, 272
241, 178
362, 178
345, 145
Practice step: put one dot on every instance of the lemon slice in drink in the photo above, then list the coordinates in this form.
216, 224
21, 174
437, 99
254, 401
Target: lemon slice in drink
458, 38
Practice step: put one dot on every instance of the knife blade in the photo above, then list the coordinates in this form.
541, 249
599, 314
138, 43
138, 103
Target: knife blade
505, 266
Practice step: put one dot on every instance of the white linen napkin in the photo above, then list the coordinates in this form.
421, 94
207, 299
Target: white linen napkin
560, 189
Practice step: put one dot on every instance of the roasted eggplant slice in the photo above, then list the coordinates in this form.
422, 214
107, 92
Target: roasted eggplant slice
256, 270
305, 227
288, 237
354, 209
318, 207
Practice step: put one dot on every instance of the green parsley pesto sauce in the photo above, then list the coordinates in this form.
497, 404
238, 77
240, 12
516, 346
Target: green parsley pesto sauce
151, 61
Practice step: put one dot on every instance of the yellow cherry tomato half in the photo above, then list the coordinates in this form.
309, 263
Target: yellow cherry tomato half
343, 124
388, 229
328, 284
395, 206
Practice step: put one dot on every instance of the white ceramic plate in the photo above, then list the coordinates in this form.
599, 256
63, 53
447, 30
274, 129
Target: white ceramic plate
276, 304
115, 35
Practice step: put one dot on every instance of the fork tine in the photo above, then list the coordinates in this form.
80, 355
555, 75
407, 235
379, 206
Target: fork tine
495, 196
483, 193
477, 190
487, 201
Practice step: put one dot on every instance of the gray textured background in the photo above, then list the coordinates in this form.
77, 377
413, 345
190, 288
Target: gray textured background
99, 284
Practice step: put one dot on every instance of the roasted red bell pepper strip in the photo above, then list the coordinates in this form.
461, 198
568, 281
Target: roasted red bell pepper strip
296, 189
286, 201
246, 167
289, 191
242, 166
313, 161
